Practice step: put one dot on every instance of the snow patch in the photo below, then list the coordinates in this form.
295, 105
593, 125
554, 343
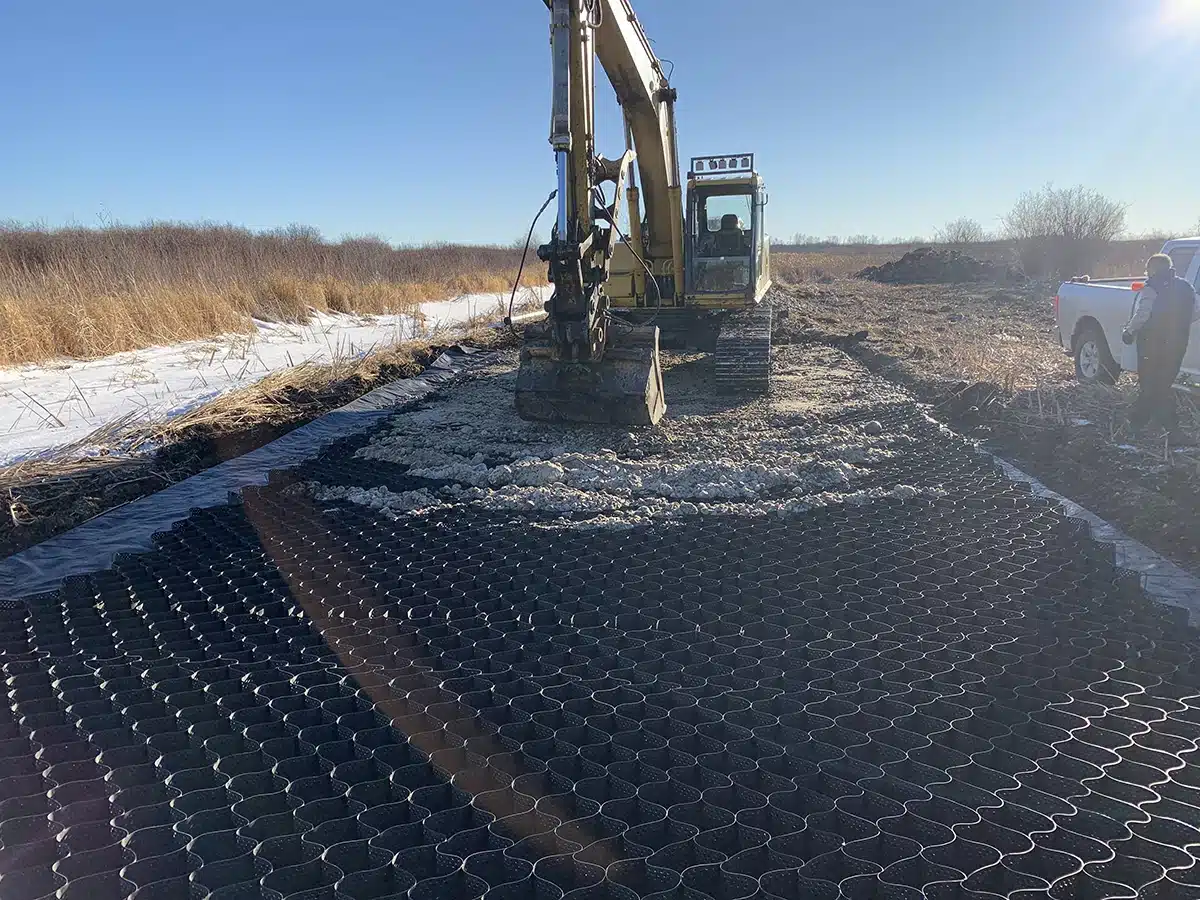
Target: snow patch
61, 403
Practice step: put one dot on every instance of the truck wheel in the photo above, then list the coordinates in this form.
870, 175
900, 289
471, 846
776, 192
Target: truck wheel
1093, 361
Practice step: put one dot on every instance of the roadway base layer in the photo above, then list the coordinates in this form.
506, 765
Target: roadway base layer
727, 683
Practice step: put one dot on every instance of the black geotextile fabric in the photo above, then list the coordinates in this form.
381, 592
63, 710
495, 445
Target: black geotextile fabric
131, 528
957, 698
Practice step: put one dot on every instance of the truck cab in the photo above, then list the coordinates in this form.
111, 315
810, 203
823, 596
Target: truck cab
1185, 256
726, 245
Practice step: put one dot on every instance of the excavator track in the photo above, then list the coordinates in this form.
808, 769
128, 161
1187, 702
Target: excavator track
743, 352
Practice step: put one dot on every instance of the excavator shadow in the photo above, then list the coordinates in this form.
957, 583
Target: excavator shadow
690, 384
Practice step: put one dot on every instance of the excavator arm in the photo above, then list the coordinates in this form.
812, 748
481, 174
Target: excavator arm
647, 101
581, 363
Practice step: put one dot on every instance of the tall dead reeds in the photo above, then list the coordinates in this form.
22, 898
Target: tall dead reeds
86, 293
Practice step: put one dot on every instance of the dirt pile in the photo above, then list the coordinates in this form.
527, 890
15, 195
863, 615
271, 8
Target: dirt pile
929, 265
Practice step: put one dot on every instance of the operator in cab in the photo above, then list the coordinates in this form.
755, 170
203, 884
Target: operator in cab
1160, 324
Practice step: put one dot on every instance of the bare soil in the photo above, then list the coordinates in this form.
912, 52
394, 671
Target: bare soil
985, 358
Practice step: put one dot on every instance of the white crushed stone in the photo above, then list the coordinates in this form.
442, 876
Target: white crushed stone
704, 459
606, 509
389, 503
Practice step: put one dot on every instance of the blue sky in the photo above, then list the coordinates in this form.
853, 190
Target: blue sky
423, 122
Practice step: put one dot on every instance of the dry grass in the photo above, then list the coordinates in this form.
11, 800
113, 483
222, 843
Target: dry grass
822, 265
796, 264
87, 293
978, 346
1013, 366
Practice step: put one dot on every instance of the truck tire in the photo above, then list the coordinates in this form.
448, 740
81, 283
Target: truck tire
1093, 361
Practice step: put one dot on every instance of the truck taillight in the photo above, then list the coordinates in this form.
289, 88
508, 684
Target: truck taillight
1056, 306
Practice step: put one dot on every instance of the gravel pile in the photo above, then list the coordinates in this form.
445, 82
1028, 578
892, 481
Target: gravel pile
781, 457
928, 265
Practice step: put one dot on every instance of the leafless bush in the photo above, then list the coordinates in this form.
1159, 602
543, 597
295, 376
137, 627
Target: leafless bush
1157, 234
960, 231
1063, 231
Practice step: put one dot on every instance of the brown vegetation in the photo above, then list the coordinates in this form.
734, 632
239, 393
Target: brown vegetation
86, 293
1049, 233
797, 266
1063, 231
961, 231
795, 263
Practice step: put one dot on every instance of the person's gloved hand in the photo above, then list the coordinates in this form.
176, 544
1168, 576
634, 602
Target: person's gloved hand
1128, 337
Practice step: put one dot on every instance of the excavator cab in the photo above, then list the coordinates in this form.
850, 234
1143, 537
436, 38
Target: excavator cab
726, 246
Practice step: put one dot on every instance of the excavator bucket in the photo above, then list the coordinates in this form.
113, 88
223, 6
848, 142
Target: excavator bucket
625, 388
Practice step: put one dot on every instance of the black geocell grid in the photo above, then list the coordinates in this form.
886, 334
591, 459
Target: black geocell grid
954, 699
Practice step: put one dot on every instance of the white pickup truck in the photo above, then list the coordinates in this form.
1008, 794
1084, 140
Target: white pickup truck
1090, 314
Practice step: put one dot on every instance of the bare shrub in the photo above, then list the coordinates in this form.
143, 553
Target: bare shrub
1063, 231
1157, 234
961, 231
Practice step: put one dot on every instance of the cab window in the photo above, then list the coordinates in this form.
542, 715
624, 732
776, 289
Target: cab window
725, 222
1181, 258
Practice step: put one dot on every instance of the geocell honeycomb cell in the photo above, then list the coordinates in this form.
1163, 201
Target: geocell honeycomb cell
955, 697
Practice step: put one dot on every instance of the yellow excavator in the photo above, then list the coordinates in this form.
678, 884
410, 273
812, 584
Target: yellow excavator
694, 277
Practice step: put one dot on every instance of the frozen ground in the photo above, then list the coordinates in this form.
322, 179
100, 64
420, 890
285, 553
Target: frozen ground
47, 407
709, 456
